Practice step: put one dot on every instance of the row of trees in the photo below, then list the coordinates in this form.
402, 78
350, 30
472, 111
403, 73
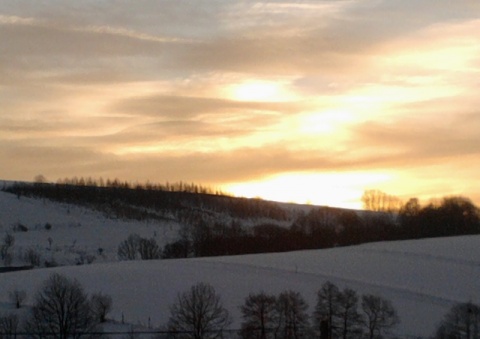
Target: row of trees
150, 202
322, 227
116, 183
326, 227
378, 201
336, 315
62, 309
136, 247
448, 216
198, 313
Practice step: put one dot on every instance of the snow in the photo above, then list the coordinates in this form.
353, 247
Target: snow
74, 229
422, 278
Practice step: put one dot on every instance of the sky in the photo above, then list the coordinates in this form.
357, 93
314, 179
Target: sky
297, 101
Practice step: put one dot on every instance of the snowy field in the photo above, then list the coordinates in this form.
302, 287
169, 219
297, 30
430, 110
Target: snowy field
74, 229
422, 278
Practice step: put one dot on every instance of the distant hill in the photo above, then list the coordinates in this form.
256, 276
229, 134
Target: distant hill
161, 222
206, 224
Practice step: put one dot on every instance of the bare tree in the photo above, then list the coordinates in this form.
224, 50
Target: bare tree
292, 316
136, 247
9, 325
379, 315
259, 316
101, 306
198, 313
61, 309
8, 242
375, 200
127, 250
17, 297
327, 309
462, 322
350, 320
148, 249
32, 257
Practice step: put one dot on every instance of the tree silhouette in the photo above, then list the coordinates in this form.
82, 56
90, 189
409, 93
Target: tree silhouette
101, 306
292, 316
198, 313
17, 297
327, 308
61, 309
375, 200
349, 320
462, 322
379, 315
259, 316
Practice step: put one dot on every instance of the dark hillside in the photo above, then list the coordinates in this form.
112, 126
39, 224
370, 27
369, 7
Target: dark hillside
144, 203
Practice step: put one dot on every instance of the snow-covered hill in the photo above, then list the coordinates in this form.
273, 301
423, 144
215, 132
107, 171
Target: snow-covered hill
74, 230
422, 278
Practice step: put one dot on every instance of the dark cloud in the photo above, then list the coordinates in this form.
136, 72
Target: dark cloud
39, 40
413, 142
27, 160
218, 167
178, 107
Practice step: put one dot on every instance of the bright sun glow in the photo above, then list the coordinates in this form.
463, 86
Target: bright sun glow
257, 91
329, 189
324, 122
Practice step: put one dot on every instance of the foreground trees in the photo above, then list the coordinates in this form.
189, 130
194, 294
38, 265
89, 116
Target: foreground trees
198, 313
9, 326
62, 309
349, 319
326, 310
379, 315
337, 314
259, 315
293, 318
461, 322
267, 316
101, 305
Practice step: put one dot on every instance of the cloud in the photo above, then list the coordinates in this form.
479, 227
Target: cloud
415, 141
27, 160
144, 89
47, 40
179, 106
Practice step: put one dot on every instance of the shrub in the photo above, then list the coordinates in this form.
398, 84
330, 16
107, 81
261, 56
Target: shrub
32, 257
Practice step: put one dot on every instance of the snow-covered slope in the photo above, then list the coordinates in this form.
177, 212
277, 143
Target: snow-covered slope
73, 230
422, 278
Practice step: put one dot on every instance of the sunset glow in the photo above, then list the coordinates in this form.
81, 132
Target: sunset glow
328, 189
308, 102
257, 91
